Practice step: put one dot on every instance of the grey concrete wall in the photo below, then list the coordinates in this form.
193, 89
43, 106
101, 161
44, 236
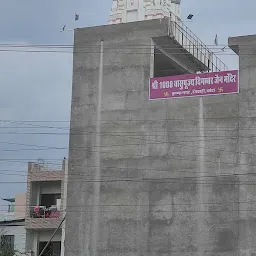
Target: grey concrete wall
245, 46
169, 169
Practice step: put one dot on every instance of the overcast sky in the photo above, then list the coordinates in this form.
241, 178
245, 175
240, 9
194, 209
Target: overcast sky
37, 86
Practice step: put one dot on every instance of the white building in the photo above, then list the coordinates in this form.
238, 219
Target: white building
13, 235
12, 225
135, 10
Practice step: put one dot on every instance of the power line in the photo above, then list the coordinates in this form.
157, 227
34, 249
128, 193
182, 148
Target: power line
187, 170
165, 180
132, 120
139, 137
135, 156
147, 142
158, 210
183, 179
138, 132
165, 141
84, 129
128, 53
115, 46
174, 171
183, 171
85, 150
148, 205
194, 129
106, 45
176, 156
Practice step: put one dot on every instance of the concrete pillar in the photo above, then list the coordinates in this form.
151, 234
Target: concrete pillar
35, 243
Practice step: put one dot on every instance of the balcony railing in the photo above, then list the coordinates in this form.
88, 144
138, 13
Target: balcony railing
190, 42
44, 212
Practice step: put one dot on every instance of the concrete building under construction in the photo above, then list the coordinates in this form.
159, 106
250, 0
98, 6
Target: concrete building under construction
150, 177
166, 177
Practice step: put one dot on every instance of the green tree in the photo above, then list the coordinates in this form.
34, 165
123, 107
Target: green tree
5, 248
7, 252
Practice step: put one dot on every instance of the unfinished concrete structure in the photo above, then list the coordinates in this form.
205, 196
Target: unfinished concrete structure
164, 177
245, 48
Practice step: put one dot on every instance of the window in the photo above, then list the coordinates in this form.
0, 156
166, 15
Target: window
7, 244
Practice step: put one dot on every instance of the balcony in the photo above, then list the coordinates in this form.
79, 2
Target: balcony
45, 205
183, 36
42, 219
44, 212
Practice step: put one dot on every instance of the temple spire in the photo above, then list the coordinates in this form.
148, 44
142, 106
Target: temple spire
123, 11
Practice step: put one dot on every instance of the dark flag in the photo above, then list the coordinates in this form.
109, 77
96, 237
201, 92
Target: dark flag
190, 16
216, 40
76, 16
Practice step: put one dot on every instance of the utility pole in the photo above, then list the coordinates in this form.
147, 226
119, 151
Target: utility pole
54, 233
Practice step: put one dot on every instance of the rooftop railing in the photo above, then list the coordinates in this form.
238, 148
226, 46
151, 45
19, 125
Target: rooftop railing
47, 167
191, 43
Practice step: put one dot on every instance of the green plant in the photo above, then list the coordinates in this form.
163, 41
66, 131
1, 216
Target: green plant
5, 251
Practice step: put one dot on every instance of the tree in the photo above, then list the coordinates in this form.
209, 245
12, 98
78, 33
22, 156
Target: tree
6, 248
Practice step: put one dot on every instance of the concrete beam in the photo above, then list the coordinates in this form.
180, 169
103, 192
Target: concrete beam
181, 59
235, 43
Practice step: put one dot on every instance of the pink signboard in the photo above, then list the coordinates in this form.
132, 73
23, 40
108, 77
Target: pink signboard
191, 85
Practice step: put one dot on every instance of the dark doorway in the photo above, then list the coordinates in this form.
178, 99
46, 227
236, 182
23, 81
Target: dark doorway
53, 249
49, 200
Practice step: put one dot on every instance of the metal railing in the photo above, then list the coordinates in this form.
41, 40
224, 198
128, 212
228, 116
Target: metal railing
46, 167
191, 43
36, 212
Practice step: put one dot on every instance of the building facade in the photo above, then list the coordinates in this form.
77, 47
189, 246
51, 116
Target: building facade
245, 238
16, 207
146, 177
12, 225
13, 236
45, 208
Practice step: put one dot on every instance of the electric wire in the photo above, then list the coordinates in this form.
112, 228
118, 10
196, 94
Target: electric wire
125, 53
168, 211
132, 120
148, 205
